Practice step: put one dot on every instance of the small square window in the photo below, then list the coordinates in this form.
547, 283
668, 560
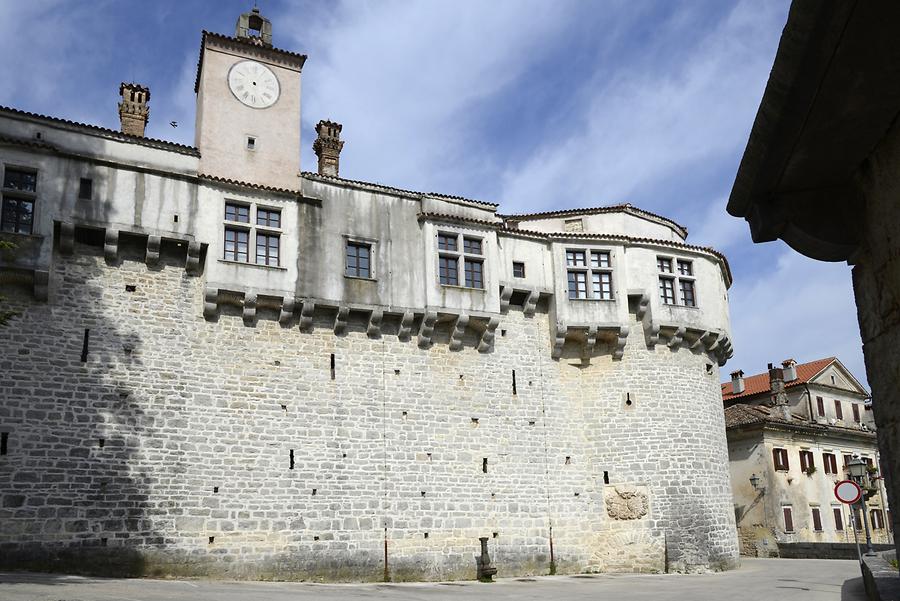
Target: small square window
237, 245
602, 285
664, 265
16, 215
472, 246
267, 246
86, 188
575, 258
577, 284
518, 269
474, 273
268, 217
685, 267
449, 270
600, 258
236, 212
251, 143
20, 180
359, 260
447, 242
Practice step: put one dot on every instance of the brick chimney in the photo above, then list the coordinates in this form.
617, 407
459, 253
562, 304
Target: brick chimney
328, 147
790, 370
133, 110
779, 397
737, 382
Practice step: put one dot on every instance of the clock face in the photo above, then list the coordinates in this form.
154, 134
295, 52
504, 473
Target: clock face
253, 84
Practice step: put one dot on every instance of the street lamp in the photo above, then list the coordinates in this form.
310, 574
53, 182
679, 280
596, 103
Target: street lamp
754, 481
859, 471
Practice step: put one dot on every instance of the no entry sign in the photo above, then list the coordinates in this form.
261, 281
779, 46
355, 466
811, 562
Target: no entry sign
847, 491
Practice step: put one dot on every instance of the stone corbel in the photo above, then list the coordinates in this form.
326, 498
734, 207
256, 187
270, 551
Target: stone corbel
153, 244
41, 285
712, 341
306, 315
651, 332
426, 330
677, 337
192, 262
287, 311
486, 341
505, 295
111, 246
210, 303
375, 319
531, 302
559, 340
340, 320
459, 329
66, 238
590, 343
249, 309
700, 341
621, 338
406, 323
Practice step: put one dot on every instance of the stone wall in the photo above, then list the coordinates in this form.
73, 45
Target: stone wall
185, 446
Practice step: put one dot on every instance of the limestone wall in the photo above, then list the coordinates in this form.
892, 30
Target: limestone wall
169, 449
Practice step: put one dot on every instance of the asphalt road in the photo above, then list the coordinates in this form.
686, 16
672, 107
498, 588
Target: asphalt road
756, 580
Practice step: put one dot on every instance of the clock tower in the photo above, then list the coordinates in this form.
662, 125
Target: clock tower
248, 106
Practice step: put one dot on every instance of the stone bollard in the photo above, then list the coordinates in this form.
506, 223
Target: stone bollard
485, 570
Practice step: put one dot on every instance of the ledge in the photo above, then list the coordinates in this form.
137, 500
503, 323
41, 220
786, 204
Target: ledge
880, 577
248, 264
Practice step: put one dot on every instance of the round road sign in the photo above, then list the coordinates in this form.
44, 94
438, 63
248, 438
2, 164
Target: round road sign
847, 491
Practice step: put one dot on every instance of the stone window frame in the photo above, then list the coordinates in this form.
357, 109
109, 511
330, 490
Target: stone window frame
372, 243
588, 269
18, 196
677, 273
255, 232
457, 259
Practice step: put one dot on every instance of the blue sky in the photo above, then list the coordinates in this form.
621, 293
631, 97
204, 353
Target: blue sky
535, 105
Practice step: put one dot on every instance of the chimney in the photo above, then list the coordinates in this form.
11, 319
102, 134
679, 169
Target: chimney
133, 110
790, 370
737, 382
779, 398
328, 147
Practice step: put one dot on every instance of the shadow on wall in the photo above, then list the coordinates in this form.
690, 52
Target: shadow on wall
74, 494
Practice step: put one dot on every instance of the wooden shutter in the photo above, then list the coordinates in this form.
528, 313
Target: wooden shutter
838, 518
838, 409
780, 459
855, 412
804, 463
788, 519
817, 519
820, 405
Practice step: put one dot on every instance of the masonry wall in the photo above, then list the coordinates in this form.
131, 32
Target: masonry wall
199, 420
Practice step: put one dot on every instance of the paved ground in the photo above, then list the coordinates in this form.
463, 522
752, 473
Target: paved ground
757, 580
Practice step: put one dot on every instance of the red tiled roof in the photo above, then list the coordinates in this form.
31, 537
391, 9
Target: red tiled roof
759, 383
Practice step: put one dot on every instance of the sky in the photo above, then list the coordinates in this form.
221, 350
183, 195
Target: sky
536, 105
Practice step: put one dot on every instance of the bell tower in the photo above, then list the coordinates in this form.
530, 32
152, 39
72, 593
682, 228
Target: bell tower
248, 106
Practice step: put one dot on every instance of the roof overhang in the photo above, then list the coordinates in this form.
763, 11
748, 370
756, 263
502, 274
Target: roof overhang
833, 93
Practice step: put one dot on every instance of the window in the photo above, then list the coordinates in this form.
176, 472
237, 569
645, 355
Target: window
820, 406
449, 259
816, 519
669, 283
236, 212
830, 463
838, 518
251, 143
780, 457
806, 461
268, 217
518, 269
870, 463
877, 519
857, 517
838, 409
236, 245
359, 257
788, 518
847, 459
86, 188
267, 249
19, 190
855, 407
594, 266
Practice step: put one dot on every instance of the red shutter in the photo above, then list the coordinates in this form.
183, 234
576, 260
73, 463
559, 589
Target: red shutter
820, 405
817, 519
788, 520
838, 519
838, 409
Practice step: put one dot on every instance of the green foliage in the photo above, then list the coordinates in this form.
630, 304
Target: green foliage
6, 315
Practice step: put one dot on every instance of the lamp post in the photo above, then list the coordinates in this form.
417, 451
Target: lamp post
754, 481
858, 471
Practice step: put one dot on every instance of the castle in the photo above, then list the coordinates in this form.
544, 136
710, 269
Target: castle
224, 367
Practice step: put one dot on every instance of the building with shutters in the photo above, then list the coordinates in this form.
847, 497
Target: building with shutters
225, 367
791, 432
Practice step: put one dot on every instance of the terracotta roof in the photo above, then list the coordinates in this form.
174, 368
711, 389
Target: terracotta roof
592, 236
109, 133
341, 180
759, 383
240, 184
301, 58
619, 208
